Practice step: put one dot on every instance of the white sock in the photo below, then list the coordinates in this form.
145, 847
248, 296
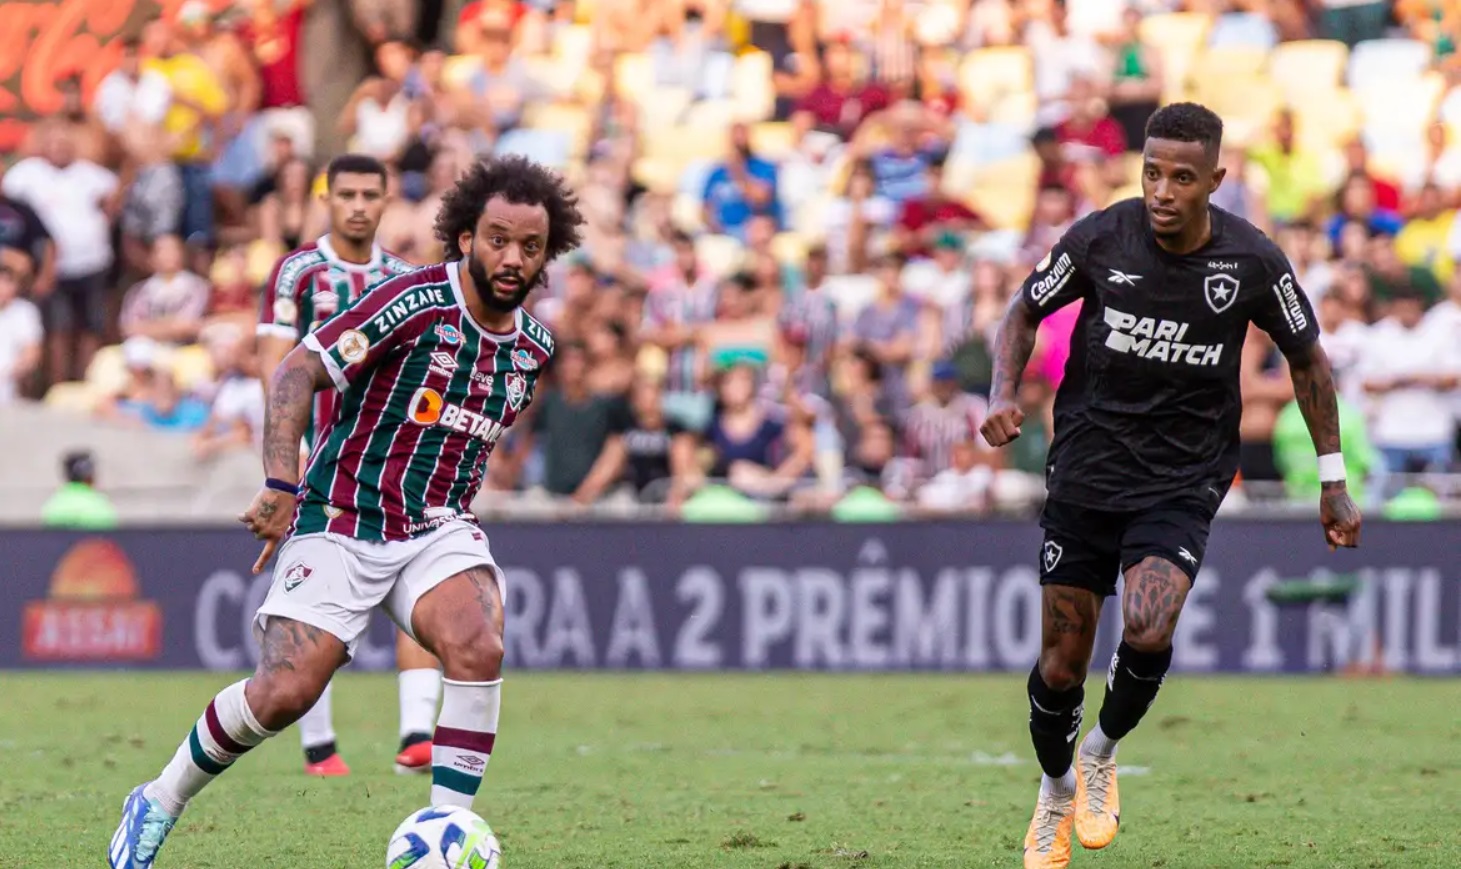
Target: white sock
226, 730
1061, 788
1098, 743
420, 695
463, 740
317, 726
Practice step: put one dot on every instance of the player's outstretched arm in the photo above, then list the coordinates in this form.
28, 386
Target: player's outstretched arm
1314, 391
1013, 345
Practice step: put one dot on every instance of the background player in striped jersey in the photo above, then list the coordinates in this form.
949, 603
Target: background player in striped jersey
431, 368
307, 287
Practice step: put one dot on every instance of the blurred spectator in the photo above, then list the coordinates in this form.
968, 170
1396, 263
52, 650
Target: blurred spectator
1355, 203
947, 417
841, 102
963, 486
743, 330
1408, 369
942, 281
757, 452
169, 306
1266, 388
932, 214
162, 404
887, 329
1308, 252
1388, 274
808, 326
739, 188
901, 169
78, 504
20, 329
129, 94
378, 116
1344, 336
283, 215
1353, 21
1386, 192
850, 218
610, 368
1424, 241
659, 453
1089, 131
1295, 177
236, 411
1136, 80
23, 231
75, 199
579, 432
1239, 194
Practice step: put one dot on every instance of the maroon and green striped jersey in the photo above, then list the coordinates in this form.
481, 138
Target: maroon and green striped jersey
310, 285
424, 392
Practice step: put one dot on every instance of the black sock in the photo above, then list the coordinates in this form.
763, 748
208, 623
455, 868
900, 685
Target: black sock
1055, 719
1131, 687
320, 753
411, 739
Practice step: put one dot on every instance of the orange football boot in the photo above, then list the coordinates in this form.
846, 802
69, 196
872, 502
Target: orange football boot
1047, 842
1097, 801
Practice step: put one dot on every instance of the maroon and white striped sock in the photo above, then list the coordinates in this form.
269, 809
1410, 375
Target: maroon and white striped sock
226, 730
462, 744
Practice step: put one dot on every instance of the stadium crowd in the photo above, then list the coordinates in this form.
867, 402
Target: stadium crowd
805, 220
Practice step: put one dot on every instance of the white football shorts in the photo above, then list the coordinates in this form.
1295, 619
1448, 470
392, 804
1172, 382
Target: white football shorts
332, 582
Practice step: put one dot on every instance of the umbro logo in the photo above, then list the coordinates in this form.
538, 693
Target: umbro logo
443, 363
1123, 278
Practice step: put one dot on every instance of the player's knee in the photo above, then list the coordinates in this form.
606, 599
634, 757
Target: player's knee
472, 655
278, 701
1061, 672
1148, 632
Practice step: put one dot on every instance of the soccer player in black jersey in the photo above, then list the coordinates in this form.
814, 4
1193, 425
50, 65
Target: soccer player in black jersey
1145, 444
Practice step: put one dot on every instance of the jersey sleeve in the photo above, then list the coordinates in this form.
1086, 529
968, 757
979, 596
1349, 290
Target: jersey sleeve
1283, 311
280, 303
1060, 278
354, 341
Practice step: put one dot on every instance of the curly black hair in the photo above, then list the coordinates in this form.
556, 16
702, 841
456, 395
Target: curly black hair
521, 182
1188, 122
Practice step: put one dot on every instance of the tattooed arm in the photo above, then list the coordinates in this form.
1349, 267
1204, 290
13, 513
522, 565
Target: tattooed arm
289, 403
1314, 391
288, 407
1013, 345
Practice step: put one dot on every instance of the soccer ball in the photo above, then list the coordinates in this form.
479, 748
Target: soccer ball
443, 837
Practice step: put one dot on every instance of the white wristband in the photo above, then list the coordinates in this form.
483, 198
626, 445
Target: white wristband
1331, 468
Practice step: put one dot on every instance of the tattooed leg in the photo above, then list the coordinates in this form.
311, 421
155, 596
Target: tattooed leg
1057, 683
296, 662
460, 621
1155, 591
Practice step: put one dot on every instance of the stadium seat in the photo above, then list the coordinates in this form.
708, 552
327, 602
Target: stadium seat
107, 373
1249, 102
76, 397
1004, 192
1400, 114
663, 108
789, 247
719, 254
1307, 66
1376, 62
851, 293
1326, 119
1220, 64
1177, 38
751, 87
773, 140
656, 174
687, 213
571, 120
987, 76
708, 119
192, 367
457, 71
634, 76
572, 46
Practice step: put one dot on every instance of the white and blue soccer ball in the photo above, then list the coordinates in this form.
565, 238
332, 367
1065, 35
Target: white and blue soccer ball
443, 837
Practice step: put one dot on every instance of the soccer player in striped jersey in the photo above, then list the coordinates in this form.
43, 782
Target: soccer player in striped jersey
307, 287
430, 368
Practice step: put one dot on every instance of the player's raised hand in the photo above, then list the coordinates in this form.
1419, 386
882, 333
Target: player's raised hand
268, 518
1003, 423
1340, 517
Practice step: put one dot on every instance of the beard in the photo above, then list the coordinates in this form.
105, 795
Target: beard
483, 282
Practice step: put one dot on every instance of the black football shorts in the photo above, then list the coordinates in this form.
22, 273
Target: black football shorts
1089, 548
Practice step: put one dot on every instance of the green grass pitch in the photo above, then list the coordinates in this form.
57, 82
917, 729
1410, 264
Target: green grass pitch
763, 771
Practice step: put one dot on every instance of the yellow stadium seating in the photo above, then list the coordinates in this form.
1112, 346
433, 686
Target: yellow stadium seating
789, 247
633, 76
1219, 64
773, 139
1307, 66
568, 118
719, 254
1326, 119
1177, 38
1004, 192
73, 397
987, 76
192, 367
107, 373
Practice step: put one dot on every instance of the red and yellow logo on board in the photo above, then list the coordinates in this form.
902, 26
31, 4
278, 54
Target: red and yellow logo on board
92, 612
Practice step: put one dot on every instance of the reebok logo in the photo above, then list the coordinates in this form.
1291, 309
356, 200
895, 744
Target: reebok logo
1123, 278
1186, 556
1288, 302
1043, 289
1157, 340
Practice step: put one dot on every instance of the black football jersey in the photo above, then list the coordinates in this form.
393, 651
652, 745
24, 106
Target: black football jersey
1149, 407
